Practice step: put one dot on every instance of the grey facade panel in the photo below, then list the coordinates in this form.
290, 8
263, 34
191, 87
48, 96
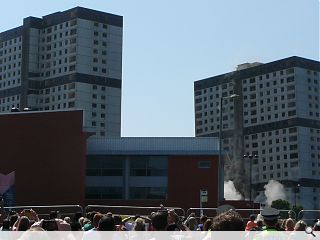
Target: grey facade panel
75, 77
153, 146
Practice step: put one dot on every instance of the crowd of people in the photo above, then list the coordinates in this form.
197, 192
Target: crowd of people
162, 220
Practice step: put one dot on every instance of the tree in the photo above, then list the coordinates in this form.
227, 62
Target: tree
281, 204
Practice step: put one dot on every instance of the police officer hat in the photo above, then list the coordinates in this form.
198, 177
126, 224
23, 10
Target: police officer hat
270, 213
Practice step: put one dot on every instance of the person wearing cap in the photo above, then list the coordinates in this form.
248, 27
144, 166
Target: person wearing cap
270, 230
270, 218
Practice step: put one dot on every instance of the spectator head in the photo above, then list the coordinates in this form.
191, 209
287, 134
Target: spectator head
160, 221
270, 216
139, 225
228, 221
109, 214
67, 219
117, 220
12, 212
316, 226
96, 219
86, 221
289, 224
252, 217
77, 216
24, 224
106, 223
13, 219
207, 225
300, 226
54, 215
76, 226
192, 223
203, 219
91, 215
81, 220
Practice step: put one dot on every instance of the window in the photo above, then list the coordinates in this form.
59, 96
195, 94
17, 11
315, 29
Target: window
104, 192
148, 192
148, 166
204, 164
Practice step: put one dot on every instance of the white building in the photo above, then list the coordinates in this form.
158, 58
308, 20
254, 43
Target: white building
276, 117
65, 60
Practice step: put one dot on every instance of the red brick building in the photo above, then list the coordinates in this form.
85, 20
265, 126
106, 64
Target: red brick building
47, 152
54, 162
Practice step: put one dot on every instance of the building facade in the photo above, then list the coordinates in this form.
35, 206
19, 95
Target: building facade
275, 115
152, 171
65, 60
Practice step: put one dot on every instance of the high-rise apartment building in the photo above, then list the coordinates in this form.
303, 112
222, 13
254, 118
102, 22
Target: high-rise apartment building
65, 60
275, 115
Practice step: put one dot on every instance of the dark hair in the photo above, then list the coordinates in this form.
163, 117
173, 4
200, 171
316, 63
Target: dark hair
106, 223
252, 217
75, 226
117, 220
160, 221
24, 224
96, 219
5, 225
54, 214
203, 218
228, 221
13, 219
91, 215
207, 224
77, 216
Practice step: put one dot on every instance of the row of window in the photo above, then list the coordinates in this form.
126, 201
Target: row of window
10, 42
10, 99
57, 27
54, 37
10, 58
10, 50
268, 75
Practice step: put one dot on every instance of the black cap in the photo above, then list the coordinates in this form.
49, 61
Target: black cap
270, 213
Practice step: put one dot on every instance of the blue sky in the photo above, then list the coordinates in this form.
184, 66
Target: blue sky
169, 44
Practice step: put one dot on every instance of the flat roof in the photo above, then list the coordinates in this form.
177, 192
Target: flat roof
153, 146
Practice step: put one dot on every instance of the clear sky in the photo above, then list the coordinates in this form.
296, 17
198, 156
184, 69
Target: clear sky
169, 44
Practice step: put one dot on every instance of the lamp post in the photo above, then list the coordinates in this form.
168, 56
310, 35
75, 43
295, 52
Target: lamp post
251, 157
221, 162
295, 194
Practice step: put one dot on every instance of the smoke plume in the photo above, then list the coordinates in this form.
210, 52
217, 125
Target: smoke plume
230, 192
274, 191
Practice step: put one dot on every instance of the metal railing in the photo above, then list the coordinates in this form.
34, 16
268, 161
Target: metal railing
212, 212
130, 210
309, 216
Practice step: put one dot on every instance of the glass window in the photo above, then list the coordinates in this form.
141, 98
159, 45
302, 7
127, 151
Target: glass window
148, 166
148, 192
204, 164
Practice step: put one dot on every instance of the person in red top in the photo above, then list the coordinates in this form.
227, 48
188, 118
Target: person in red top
251, 224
